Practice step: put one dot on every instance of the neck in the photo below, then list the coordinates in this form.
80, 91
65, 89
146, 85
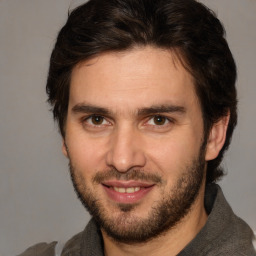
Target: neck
169, 243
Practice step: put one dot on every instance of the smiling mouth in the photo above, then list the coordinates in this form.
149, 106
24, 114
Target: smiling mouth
127, 192
126, 187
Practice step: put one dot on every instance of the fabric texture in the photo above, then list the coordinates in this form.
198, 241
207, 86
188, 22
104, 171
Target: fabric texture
223, 234
42, 249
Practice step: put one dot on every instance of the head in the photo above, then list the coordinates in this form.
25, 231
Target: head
176, 37
187, 27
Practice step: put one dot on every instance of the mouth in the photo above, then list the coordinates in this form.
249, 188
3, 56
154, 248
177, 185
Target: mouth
127, 192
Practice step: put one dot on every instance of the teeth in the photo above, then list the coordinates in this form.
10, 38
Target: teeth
136, 189
130, 190
121, 190
126, 190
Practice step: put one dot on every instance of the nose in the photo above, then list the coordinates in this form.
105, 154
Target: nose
125, 151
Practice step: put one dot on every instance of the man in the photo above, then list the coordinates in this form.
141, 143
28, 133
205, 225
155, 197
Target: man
144, 95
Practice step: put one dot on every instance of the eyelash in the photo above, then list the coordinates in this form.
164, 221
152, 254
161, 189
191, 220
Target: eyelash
166, 119
85, 120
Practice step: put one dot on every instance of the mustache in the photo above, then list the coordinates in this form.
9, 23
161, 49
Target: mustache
133, 174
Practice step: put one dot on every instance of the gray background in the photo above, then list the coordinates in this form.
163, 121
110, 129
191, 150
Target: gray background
37, 202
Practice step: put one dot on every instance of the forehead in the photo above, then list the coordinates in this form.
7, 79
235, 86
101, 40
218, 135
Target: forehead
132, 78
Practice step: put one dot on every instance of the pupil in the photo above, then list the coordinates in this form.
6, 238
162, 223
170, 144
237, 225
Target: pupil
159, 120
97, 120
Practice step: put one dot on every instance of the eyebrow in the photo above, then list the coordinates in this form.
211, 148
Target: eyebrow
84, 108
162, 109
155, 109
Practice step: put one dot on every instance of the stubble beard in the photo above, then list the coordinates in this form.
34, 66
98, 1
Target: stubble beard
123, 226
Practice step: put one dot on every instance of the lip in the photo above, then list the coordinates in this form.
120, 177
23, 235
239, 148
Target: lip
127, 198
127, 184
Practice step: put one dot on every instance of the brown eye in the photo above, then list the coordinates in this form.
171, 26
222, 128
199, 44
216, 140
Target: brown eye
159, 120
97, 120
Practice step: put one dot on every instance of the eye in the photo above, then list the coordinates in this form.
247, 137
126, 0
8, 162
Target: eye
95, 120
158, 120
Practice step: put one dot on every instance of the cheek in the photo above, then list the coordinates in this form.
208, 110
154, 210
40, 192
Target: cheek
172, 154
85, 153
167, 158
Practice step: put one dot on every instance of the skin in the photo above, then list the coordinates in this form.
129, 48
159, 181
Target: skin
129, 85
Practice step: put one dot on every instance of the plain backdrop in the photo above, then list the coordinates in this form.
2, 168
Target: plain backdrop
37, 202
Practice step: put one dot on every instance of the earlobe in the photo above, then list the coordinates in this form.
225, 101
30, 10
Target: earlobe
217, 138
64, 149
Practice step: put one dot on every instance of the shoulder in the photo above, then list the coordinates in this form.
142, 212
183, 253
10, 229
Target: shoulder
224, 233
73, 246
41, 249
231, 234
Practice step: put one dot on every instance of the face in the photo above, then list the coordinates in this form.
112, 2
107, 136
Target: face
134, 138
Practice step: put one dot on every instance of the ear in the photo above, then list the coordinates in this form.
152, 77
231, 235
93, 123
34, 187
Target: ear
217, 138
64, 149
